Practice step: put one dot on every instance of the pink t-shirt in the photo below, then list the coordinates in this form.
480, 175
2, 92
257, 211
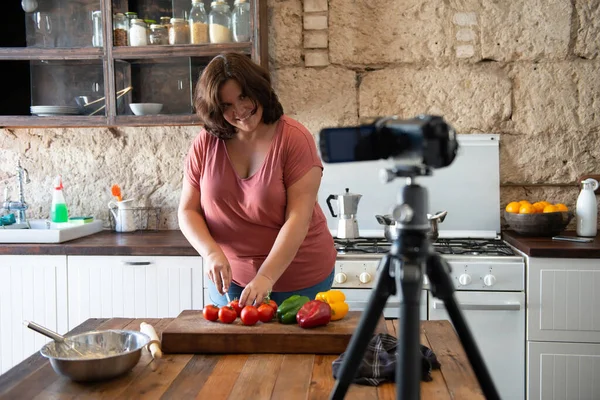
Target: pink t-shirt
244, 216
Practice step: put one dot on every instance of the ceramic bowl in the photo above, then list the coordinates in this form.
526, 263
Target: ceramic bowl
146, 108
539, 224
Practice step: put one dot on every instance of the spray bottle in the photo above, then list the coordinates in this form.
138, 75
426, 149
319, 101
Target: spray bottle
59, 211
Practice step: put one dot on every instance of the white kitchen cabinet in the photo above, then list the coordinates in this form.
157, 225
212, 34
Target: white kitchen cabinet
132, 286
568, 371
563, 328
34, 288
563, 298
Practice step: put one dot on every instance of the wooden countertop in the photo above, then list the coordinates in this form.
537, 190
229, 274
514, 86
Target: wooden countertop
173, 243
546, 247
109, 243
238, 376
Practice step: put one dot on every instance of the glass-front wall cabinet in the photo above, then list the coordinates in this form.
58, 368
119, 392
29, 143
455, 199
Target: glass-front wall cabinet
119, 62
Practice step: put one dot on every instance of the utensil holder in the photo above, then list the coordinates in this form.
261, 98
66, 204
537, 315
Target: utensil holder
145, 218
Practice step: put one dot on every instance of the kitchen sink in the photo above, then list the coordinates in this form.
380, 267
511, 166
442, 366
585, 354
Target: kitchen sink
44, 231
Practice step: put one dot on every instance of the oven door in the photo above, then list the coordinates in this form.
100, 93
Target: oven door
497, 322
358, 299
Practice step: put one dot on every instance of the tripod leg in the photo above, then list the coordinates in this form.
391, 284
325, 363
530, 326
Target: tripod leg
442, 288
408, 373
384, 287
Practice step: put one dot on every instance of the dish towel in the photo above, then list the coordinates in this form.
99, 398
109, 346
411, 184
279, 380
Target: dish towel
379, 362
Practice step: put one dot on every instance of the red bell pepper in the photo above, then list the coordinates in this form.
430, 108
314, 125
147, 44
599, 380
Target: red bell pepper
314, 313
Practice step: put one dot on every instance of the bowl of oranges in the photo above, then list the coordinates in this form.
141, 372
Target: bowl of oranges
537, 219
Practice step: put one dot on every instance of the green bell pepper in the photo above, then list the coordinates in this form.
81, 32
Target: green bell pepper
287, 310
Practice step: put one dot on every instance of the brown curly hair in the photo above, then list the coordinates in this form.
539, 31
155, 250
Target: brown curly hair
255, 82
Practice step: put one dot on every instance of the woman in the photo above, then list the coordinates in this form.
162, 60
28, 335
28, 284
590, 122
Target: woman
248, 203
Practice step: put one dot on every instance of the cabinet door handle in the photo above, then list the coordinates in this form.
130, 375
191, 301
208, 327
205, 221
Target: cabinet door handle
507, 306
137, 262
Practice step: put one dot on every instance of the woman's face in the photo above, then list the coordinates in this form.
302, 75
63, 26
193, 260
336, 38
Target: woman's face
238, 109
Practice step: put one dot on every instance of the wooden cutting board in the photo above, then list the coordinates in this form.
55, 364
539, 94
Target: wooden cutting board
191, 333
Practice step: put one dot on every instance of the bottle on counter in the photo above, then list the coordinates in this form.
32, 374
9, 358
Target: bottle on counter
58, 211
240, 21
587, 209
198, 22
219, 22
120, 29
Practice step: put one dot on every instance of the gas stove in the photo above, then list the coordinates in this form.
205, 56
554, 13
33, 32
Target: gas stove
454, 246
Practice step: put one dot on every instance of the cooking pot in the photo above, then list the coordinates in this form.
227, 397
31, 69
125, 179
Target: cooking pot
391, 231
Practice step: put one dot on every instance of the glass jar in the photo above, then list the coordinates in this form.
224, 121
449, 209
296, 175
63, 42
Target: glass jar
97, 40
138, 33
179, 31
158, 35
166, 22
219, 22
240, 21
148, 22
119, 29
198, 23
130, 16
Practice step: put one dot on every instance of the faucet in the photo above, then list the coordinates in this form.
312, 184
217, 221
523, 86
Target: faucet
21, 205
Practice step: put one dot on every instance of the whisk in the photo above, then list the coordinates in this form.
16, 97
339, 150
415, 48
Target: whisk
66, 347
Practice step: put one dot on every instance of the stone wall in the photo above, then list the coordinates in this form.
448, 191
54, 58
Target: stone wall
526, 69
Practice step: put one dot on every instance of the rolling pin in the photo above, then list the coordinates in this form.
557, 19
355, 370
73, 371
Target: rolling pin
154, 344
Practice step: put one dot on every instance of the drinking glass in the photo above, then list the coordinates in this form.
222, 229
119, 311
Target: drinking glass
43, 25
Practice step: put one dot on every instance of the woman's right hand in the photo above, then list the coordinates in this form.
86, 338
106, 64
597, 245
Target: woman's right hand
219, 271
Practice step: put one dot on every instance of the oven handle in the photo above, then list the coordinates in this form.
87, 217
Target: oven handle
505, 306
363, 304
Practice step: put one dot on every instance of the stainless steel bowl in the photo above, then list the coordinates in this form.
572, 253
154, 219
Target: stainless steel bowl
114, 352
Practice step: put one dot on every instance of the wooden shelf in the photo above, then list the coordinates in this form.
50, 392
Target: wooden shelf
24, 121
152, 120
83, 121
32, 53
190, 50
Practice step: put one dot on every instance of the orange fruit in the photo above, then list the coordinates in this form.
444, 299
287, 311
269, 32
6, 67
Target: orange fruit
550, 209
526, 209
561, 207
513, 207
524, 202
539, 206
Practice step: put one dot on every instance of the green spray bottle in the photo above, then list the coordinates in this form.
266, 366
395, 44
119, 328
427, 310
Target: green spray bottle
59, 211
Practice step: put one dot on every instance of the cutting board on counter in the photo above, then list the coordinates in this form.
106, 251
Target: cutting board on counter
191, 333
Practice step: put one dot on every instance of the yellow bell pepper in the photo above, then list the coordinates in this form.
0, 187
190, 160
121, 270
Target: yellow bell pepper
337, 301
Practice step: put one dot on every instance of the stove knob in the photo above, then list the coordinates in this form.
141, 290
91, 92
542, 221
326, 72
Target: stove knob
340, 277
464, 279
365, 277
489, 280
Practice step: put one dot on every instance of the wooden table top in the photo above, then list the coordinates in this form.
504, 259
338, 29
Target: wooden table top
238, 376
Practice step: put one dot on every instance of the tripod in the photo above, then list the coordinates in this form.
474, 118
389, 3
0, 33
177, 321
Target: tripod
402, 268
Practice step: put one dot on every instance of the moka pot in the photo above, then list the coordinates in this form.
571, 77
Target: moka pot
347, 205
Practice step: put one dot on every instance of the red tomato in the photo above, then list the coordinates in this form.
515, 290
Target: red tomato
265, 312
211, 312
236, 306
249, 315
272, 304
227, 314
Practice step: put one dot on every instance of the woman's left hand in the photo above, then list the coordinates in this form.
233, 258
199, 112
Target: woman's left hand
256, 291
